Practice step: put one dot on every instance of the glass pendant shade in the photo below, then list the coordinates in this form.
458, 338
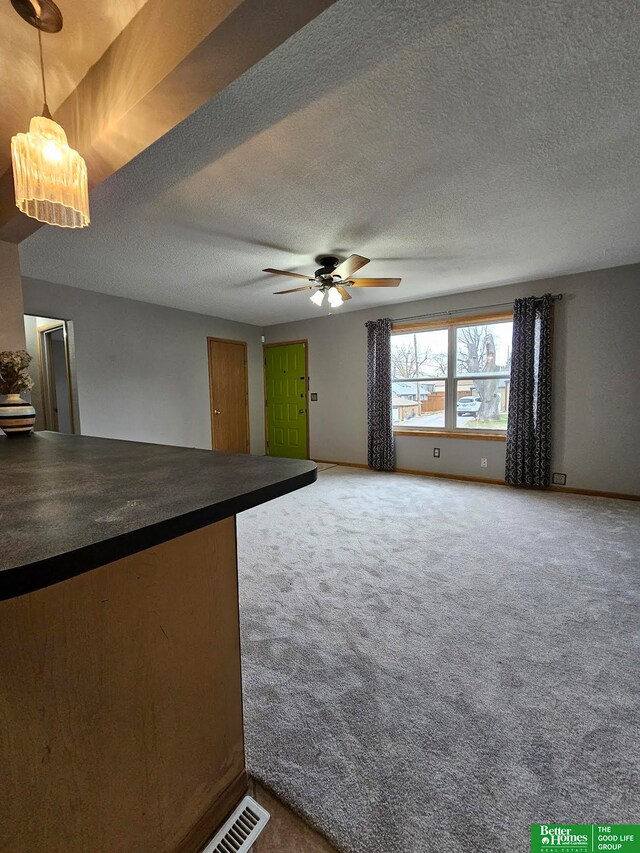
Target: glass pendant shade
318, 297
50, 178
335, 298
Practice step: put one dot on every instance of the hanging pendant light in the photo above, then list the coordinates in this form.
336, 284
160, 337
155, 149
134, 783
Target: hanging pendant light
50, 178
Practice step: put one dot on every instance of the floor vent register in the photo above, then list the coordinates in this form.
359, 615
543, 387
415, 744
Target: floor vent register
241, 831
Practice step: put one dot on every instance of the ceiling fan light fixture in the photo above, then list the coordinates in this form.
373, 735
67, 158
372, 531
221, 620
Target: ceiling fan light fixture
335, 298
332, 280
50, 177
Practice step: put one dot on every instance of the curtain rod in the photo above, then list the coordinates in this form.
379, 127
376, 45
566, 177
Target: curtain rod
555, 296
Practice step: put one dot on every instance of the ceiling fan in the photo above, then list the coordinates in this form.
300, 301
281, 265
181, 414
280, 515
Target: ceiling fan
333, 278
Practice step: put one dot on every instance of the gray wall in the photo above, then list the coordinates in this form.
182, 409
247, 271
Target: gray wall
596, 385
142, 369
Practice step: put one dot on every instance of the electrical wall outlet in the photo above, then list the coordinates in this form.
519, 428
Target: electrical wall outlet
559, 479
436, 452
483, 462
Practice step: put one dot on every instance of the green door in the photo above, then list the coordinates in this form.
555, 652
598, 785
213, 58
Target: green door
285, 368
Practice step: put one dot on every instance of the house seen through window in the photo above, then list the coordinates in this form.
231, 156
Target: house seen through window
453, 378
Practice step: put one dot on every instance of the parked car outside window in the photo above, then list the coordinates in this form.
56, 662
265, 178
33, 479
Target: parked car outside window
469, 405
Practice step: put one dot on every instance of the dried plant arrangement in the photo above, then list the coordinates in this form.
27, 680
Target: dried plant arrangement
13, 372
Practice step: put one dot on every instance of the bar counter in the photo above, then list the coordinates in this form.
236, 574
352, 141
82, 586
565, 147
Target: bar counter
120, 682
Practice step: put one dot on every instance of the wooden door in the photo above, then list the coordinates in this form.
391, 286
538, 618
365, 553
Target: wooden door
229, 395
286, 399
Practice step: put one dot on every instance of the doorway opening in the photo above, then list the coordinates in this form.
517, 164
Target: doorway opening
49, 341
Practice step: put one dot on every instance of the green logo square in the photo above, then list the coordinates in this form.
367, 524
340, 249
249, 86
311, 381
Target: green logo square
585, 838
570, 838
617, 837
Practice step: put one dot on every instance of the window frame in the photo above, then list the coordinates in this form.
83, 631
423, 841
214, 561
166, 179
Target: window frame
451, 380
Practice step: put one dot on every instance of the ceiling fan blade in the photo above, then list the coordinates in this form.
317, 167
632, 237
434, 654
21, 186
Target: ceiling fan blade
284, 272
348, 267
343, 292
376, 282
295, 289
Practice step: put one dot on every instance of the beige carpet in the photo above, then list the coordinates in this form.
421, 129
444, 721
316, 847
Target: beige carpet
285, 832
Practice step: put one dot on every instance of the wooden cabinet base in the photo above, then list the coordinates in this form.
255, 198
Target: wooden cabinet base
121, 704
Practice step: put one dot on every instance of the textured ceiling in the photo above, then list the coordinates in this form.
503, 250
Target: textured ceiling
88, 30
458, 144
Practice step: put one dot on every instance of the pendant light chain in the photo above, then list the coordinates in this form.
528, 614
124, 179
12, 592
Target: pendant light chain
45, 108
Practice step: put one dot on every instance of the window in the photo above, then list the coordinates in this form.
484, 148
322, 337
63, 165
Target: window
454, 378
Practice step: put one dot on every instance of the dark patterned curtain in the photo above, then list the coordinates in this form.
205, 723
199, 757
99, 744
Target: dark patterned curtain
381, 450
529, 426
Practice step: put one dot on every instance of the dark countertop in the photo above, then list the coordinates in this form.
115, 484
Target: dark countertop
69, 503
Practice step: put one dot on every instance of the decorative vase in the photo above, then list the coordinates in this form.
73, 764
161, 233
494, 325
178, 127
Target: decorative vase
16, 416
